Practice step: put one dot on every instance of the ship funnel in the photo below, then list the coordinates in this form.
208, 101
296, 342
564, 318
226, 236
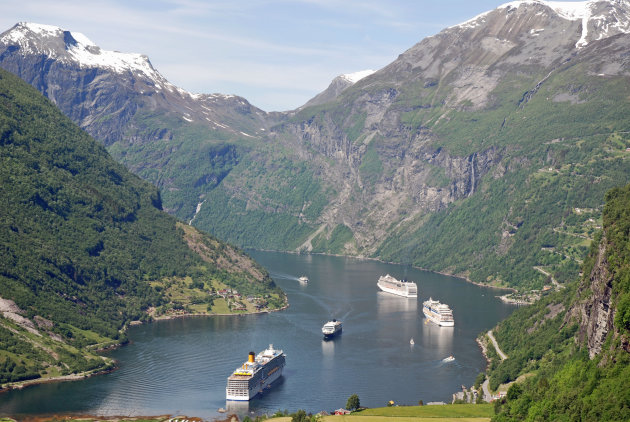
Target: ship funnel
251, 357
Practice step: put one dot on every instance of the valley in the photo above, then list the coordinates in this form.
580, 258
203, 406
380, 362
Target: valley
496, 150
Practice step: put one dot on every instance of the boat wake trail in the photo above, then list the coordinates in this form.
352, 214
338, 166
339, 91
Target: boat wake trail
345, 316
283, 276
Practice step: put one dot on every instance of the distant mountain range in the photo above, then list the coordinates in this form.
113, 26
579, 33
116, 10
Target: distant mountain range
483, 151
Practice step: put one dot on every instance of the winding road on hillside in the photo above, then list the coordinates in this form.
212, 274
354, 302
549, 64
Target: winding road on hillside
502, 355
548, 274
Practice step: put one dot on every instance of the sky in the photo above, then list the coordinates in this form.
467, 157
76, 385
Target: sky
275, 53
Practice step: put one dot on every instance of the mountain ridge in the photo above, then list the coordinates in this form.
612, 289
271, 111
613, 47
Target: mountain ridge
462, 129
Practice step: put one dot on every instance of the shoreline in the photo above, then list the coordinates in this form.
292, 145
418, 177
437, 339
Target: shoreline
197, 315
363, 258
484, 350
19, 385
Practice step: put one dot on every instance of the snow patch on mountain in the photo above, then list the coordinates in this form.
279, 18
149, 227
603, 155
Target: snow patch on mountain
357, 76
614, 17
19, 34
119, 62
62, 45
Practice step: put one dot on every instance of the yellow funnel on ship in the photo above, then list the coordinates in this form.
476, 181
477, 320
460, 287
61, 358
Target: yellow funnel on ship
251, 357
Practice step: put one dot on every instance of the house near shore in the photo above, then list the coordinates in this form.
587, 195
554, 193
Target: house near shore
342, 412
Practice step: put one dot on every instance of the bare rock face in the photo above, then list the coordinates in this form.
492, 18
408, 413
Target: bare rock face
595, 313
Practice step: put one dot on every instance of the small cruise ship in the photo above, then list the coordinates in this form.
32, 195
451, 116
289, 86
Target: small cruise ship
255, 375
404, 288
438, 312
331, 328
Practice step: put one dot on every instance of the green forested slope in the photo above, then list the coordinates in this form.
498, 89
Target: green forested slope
81, 241
576, 352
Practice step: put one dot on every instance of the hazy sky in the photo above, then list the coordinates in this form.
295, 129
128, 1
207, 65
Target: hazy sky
277, 54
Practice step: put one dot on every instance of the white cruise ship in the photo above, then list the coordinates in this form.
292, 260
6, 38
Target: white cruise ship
389, 284
256, 374
438, 312
331, 328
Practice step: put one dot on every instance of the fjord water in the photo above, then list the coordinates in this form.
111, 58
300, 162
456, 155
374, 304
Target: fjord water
181, 366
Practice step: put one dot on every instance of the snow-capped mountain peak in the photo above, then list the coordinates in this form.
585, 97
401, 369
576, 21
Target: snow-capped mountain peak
599, 18
56, 43
356, 76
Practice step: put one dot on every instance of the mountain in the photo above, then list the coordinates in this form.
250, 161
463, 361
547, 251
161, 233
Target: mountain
113, 92
85, 248
335, 88
122, 101
484, 151
570, 353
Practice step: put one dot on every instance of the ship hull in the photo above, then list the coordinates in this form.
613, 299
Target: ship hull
255, 376
254, 390
436, 319
396, 292
328, 336
331, 329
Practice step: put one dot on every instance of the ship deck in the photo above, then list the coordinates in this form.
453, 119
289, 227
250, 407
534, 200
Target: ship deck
239, 377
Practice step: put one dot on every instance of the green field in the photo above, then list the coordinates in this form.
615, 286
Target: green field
455, 411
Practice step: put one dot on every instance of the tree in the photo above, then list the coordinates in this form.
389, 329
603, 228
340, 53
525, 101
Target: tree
479, 380
514, 392
353, 402
299, 416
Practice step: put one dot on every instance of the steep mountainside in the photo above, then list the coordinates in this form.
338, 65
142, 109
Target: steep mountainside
85, 248
575, 346
122, 101
482, 151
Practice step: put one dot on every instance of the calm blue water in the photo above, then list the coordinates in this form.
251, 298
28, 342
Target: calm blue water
181, 366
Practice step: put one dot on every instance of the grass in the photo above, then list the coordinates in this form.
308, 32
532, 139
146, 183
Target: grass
352, 418
220, 307
445, 411
106, 419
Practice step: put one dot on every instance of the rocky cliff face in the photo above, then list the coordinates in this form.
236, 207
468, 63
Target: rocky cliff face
596, 312
401, 113
602, 308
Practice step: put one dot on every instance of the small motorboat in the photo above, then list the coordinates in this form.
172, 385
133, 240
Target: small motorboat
303, 279
448, 359
411, 341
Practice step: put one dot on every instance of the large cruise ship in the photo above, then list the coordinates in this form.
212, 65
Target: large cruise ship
438, 312
256, 374
389, 284
332, 328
